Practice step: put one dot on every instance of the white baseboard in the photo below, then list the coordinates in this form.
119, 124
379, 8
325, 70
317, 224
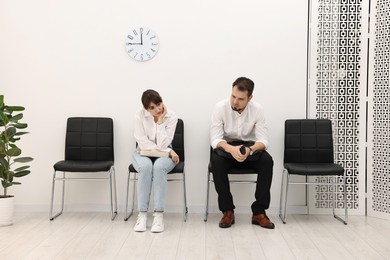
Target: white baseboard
199, 209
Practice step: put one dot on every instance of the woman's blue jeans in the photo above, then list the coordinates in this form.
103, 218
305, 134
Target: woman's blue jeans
152, 172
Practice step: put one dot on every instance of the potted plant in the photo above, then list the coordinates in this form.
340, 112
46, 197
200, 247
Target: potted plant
10, 159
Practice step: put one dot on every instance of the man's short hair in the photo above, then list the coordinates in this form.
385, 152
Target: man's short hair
244, 84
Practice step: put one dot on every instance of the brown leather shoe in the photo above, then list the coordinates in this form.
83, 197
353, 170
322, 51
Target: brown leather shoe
227, 220
263, 221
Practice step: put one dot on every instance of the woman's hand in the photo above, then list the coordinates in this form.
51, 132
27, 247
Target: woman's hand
160, 119
175, 158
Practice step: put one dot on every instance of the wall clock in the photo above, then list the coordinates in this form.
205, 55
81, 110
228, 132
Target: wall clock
142, 44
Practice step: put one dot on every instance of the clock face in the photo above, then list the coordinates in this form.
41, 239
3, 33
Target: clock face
142, 44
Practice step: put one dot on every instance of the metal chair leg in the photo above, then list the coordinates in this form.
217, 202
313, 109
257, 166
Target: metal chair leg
284, 216
52, 196
307, 195
113, 198
185, 198
345, 200
134, 192
129, 179
281, 197
115, 194
207, 198
127, 216
333, 196
345, 203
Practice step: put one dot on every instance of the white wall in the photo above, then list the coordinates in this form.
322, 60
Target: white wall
67, 58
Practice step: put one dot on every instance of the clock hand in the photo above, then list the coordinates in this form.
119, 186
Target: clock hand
141, 37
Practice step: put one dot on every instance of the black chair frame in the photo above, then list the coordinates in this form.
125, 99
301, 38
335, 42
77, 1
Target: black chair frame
89, 148
309, 152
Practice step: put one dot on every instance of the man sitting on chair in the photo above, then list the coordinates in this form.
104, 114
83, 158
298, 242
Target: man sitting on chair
239, 137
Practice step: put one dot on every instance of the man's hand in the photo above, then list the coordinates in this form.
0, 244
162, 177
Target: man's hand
236, 153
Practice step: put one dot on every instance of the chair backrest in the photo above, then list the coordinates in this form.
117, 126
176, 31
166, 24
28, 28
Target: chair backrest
308, 141
178, 140
89, 139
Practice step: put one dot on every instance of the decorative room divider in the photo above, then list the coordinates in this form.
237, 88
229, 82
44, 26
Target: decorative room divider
378, 145
348, 82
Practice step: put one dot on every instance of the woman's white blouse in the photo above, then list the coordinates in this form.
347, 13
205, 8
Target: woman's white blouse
150, 135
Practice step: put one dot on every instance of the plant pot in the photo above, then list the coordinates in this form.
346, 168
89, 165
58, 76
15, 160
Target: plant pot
6, 211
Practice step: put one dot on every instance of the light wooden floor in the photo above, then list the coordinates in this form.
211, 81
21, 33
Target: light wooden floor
95, 236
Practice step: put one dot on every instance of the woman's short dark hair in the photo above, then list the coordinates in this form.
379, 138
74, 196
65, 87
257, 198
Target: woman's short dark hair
244, 84
150, 96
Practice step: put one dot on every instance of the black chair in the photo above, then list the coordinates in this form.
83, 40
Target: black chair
308, 151
89, 147
234, 171
178, 147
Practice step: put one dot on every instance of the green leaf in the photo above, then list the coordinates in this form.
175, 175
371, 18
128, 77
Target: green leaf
13, 139
3, 119
20, 125
16, 183
21, 173
13, 145
10, 132
13, 152
13, 108
23, 159
6, 184
1, 100
16, 118
21, 133
22, 168
4, 163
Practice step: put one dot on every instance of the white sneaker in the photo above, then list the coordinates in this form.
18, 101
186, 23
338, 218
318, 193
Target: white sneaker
158, 222
140, 226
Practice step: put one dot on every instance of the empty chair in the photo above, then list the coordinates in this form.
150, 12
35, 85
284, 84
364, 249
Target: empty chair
89, 148
308, 151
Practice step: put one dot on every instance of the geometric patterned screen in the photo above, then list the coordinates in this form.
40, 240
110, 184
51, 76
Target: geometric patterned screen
380, 116
337, 91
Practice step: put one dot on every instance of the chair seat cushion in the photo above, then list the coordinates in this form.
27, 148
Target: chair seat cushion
83, 166
131, 168
178, 168
314, 168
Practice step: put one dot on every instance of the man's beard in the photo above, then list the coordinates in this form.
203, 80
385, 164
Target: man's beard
237, 110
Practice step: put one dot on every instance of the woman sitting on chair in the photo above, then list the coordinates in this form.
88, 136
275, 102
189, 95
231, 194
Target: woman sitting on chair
155, 127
